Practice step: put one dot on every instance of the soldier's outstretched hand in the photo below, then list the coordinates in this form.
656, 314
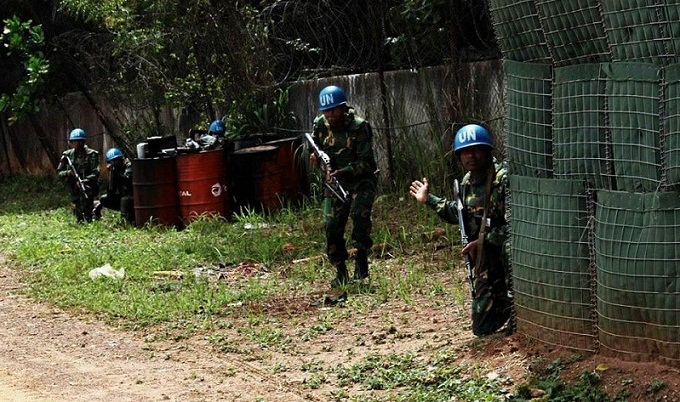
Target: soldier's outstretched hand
420, 190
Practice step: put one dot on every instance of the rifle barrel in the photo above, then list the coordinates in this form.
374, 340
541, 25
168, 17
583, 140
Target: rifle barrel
334, 186
79, 180
464, 237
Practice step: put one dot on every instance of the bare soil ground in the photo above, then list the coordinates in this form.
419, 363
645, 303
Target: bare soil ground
47, 354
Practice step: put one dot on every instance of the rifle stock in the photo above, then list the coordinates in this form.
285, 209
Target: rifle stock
334, 185
81, 183
464, 237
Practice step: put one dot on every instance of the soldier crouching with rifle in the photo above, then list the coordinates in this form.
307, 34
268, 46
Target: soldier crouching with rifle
118, 195
346, 145
79, 170
479, 207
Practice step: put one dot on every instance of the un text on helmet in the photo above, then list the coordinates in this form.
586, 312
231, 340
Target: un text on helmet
467, 136
326, 99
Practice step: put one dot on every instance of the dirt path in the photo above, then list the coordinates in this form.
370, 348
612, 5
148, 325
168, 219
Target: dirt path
48, 355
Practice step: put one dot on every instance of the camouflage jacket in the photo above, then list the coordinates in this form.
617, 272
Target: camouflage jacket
472, 195
120, 179
350, 149
86, 164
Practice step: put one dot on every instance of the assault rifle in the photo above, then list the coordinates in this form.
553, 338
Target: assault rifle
464, 237
333, 185
79, 181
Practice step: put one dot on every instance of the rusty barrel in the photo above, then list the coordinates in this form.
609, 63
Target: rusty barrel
293, 176
202, 184
256, 178
154, 183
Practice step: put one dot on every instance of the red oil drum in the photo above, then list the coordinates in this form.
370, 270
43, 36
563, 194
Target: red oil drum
154, 184
256, 178
202, 184
293, 176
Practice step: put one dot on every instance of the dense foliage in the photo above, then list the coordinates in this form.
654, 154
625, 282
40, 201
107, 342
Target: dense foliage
23, 42
205, 55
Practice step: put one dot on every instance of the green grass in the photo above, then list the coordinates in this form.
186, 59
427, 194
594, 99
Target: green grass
56, 255
553, 388
53, 254
436, 379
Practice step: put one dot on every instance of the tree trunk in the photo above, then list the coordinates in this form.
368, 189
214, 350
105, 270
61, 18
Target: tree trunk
4, 133
44, 141
112, 131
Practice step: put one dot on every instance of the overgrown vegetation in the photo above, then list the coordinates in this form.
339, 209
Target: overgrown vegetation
22, 42
258, 115
209, 244
436, 379
146, 66
234, 284
548, 384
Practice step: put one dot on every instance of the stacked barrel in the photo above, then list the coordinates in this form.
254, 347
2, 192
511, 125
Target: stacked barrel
592, 138
202, 184
174, 186
267, 176
154, 183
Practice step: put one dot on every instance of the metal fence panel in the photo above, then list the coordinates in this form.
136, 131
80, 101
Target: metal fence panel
580, 125
518, 30
551, 261
633, 107
574, 31
637, 244
528, 118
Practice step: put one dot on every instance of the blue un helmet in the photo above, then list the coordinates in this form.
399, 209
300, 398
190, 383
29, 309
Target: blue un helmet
77, 134
331, 97
113, 153
471, 134
217, 128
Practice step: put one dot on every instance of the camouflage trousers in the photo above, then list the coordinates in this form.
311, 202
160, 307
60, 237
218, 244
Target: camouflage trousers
336, 215
83, 203
118, 203
492, 305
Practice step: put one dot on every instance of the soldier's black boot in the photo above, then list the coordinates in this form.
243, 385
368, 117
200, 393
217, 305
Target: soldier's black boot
97, 210
361, 265
341, 276
78, 213
127, 209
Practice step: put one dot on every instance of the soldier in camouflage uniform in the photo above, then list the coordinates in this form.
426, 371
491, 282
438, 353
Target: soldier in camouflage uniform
119, 191
348, 140
491, 307
86, 163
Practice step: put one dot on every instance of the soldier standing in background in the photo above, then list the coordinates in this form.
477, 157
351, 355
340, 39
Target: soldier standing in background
79, 170
348, 140
483, 196
118, 195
